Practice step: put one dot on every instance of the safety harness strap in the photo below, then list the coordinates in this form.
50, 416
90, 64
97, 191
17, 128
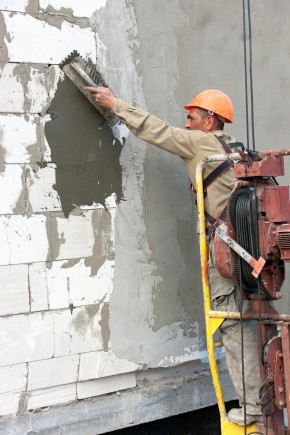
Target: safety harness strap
216, 173
219, 170
225, 146
216, 222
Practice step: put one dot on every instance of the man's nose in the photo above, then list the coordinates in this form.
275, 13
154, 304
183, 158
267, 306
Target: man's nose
187, 125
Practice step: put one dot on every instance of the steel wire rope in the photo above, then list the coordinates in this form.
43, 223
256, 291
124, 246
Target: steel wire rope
242, 335
254, 192
248, 146
246, 73
251, 73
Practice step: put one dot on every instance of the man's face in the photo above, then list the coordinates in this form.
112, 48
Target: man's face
194, 121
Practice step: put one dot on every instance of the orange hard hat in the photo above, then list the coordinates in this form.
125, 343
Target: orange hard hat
214, 101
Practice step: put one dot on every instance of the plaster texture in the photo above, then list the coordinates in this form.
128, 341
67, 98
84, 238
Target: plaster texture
99, 259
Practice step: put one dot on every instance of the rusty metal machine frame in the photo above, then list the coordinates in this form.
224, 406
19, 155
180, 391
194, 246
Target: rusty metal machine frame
275, 361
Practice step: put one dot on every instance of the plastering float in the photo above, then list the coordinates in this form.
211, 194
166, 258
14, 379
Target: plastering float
84, 73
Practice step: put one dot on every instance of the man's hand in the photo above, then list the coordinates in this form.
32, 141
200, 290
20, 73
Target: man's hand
104, 97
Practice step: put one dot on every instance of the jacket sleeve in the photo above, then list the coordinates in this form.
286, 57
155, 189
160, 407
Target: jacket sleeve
151, 129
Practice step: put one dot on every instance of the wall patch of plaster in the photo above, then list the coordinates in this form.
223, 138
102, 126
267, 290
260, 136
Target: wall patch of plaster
3, 34
84, 319
84, 150
78, 9
105, 328
104, 244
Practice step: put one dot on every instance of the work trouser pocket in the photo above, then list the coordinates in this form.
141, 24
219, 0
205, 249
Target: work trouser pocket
226, 303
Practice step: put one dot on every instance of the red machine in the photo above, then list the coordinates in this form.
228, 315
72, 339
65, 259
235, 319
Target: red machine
259, 222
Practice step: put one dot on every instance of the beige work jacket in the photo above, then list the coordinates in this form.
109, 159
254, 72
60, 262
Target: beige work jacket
190, 145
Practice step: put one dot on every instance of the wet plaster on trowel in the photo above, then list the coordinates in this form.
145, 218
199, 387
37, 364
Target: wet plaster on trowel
139, 337
84, 150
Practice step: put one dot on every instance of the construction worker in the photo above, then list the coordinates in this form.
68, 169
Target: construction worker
203, 135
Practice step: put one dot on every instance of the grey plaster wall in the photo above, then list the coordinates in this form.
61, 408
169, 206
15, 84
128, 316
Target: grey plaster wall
179, 49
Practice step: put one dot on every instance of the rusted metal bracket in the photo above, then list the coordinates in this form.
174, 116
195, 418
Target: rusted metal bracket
257, 265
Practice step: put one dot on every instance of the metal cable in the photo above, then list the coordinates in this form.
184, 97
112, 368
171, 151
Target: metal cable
242, 350
246, 72
242, 327
241, 297
251, 73
248, 146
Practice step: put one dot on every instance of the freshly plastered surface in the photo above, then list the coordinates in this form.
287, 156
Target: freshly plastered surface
99, 260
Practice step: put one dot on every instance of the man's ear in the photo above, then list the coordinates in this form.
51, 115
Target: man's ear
210, 123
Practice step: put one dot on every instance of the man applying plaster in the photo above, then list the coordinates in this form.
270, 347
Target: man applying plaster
204, 136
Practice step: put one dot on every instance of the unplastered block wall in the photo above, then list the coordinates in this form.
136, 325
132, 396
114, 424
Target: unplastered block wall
56, 267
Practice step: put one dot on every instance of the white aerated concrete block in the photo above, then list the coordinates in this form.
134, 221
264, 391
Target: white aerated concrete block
49, 285
10, 403
19, 139
94, 365
41, 88
23, 239
41, 194
38, 286
14, 292
57, 284
27, 89
45, 148
75, 235
13, 378
52, 372
12, 95
51, 396
79, 331
26, 338
86, 289
52, 43
84, 9
12, 387
105, 385
12, 189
